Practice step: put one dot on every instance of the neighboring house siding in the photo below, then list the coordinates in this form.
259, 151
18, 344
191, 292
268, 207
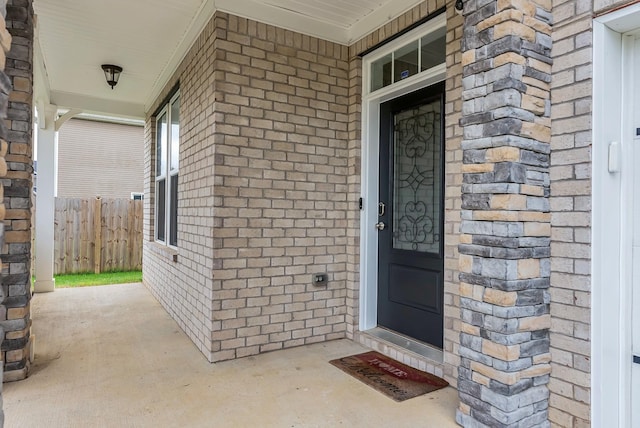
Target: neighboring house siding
569, 402
100, 159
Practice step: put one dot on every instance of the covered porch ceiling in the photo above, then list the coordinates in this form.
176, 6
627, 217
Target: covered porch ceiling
148, 39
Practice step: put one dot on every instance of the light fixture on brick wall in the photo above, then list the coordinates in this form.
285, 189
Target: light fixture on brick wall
112, 74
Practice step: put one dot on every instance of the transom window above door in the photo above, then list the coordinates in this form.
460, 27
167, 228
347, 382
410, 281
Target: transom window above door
416, 52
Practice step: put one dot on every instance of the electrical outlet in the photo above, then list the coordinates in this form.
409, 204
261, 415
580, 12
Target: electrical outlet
320, 279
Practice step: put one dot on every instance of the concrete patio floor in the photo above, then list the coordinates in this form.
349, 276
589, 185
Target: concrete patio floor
112, 357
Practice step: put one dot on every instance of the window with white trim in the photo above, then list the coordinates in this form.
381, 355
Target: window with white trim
421, 51
167, 162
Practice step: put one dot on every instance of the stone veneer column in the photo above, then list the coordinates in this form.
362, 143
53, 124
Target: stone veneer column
505, 241
5, 90
15, 318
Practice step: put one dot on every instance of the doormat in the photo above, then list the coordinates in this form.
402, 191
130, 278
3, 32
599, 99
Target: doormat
392, 378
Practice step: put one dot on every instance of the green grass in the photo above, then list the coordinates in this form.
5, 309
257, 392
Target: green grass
89, 279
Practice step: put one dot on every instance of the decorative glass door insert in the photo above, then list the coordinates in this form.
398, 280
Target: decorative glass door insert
416, 199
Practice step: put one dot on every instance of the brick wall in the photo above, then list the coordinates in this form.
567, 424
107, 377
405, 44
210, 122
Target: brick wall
281, 188
571, 214
184, 286
275, 137
16, 251
281, 134
453, 200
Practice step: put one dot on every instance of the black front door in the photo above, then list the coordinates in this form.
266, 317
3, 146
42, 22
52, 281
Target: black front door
411, 215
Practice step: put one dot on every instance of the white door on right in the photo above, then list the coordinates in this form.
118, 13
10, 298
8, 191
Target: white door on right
635, 220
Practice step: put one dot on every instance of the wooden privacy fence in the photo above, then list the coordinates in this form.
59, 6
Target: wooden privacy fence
97, 235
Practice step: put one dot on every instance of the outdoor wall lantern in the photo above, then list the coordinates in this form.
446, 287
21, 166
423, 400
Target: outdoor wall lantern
112, 74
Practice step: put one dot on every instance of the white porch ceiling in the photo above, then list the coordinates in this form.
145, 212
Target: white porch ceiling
149, 38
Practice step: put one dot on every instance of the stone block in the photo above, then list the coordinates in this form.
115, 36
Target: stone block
481, 178
515, 366
509, 202
537, 132
509, 83
474, 402
531, 297
500, 325
475, 201
506, 97
13, 375
513, 112
505, 339
510, 172
505, 154
538, 419
502, 352
510, 390
469, 329
534, 348
498, 401
514, 311
536, 371
15, 355
500, 298
519, 285
514, 28
537, 106
480, 15
476, 118
17, 313
476, 306
470, 317
468, 387
500, 17
522, 142
509, 58
512, 418
491, 373
476, 227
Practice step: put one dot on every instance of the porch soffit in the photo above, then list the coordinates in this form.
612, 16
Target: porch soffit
149, 39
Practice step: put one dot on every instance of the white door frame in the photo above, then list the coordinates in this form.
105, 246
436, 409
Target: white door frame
611, 247
370, 160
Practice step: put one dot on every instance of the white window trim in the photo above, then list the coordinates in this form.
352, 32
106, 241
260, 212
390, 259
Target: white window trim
428, 27
370, 144
167, 174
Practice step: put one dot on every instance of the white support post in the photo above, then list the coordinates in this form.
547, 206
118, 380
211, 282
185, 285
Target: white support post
45, 199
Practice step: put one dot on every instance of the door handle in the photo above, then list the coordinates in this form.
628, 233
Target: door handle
381, 208
636, 359
380, 226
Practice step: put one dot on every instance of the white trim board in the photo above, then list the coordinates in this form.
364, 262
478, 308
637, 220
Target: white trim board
610, 255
